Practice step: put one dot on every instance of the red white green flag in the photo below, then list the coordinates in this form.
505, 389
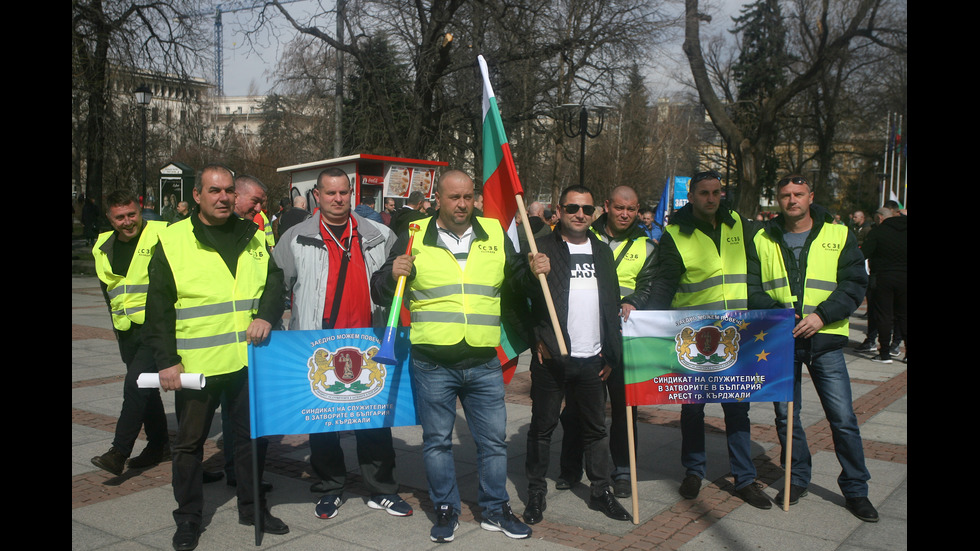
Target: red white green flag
500, 186
500, 180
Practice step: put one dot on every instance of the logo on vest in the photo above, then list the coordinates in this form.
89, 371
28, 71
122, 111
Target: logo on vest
734, 240
709, 349
832, 247
631, 257
484, 248
349, 375
257, 254
144, 251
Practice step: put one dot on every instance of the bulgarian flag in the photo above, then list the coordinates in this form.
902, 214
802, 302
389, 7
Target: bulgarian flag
695, 357
501, 185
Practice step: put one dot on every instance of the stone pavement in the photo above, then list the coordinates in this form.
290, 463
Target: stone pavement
133, 511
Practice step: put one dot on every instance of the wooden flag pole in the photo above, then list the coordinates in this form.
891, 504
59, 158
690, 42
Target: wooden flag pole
632, 451
789, 454
543, 279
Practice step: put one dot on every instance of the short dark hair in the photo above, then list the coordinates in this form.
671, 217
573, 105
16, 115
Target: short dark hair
199, 184
414, 198
701, 177
574, 189
120, 197
332, 172
892, 205
794, 179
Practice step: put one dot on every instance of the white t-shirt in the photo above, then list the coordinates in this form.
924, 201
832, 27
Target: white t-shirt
583, 303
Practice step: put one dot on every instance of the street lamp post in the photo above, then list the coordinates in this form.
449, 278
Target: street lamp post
143, 95
567, 118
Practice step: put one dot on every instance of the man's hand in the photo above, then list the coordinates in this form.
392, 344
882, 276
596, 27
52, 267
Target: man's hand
542, 352
808, 327
257, 331
625, 309
540, 263
605, 372
402, 266
170, 377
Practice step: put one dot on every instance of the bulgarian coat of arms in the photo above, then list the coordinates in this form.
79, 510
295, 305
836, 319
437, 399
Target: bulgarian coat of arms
348, 375
709, 349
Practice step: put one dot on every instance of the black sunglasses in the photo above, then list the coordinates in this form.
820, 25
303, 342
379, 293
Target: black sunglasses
798, 180
706, 175
572, 208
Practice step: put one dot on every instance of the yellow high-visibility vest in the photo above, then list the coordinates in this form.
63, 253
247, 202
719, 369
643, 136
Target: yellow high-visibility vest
213, 308
821, 272
449, 304
629, 267
711, 281
127, 292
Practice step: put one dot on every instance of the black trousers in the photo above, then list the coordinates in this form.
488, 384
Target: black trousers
195, 411
142, 407
890, 294
375, 455
576, 380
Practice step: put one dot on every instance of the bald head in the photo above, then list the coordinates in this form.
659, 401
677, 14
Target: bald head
454, 177
299, 202
622, 207
455, 198
536, 209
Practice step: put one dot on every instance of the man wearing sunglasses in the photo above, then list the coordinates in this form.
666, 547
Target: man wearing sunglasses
584, 289
815, 266
633, 255
702, 264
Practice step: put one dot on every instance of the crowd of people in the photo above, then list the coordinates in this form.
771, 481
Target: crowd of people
188, 298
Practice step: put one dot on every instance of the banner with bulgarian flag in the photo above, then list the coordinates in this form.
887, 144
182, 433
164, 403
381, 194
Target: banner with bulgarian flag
702, 356
501, 185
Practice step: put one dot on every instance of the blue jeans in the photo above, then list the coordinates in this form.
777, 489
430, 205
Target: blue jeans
481, 391
829, 374
737, 429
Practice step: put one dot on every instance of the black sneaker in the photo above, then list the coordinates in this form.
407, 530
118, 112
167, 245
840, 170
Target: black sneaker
882, 359
447, 522
867, 346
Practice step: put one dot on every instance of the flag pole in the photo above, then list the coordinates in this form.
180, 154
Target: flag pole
631, 439
542, 279
789, 454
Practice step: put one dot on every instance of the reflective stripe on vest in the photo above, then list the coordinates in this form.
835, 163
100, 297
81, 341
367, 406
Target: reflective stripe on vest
270, 238
711, 281
127, 293
213, 308
629, 266
449, 305
821, 272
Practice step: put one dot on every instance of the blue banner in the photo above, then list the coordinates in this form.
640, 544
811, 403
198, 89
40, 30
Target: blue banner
680, 190
304, 382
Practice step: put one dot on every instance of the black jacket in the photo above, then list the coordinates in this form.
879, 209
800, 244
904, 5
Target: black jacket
887, 247
558, 281
852, 280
